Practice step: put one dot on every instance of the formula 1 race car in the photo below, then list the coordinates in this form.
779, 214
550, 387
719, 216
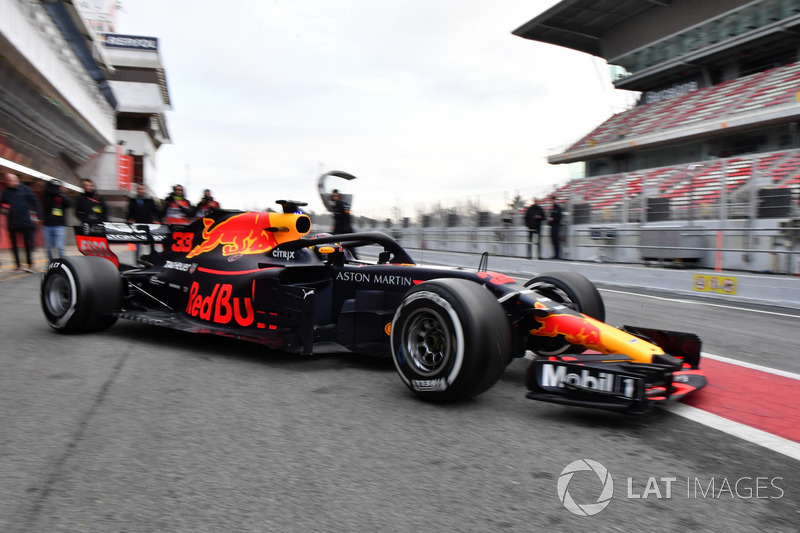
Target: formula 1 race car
451, 332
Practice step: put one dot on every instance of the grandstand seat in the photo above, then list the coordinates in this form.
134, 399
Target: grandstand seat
769, 88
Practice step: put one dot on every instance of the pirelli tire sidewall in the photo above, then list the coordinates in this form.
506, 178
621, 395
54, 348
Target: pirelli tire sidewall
78, 293
468, 335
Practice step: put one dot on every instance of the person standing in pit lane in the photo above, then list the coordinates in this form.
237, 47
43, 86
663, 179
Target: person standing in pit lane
533, 221
91, 206
341, 217
56, 204
554, 218
341, 214
206, 205
142, 210
21, 208
177, 210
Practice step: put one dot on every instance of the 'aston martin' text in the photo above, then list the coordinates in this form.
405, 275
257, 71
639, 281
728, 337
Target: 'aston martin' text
367, 277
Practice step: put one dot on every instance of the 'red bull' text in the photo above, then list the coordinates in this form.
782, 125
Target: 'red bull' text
219, 306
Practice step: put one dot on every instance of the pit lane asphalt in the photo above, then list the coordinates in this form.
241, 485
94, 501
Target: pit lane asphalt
143, 429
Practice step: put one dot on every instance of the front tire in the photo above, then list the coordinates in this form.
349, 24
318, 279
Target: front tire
78, 293
450, 339
575, 292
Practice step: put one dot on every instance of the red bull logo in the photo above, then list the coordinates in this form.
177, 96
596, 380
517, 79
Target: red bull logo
595, 335
576, 329
250, 233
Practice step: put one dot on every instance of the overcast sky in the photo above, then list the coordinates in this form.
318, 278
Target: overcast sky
420, 99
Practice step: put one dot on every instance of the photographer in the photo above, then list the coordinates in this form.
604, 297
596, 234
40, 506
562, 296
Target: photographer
206, 205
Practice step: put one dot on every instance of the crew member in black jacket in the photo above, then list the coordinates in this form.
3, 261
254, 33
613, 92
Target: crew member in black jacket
21, 207
533, 220
554, 218
91, 207
142, 210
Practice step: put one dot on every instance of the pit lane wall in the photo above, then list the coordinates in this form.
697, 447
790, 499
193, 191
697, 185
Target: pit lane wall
760, 246
743, 261
740, 262
721, 287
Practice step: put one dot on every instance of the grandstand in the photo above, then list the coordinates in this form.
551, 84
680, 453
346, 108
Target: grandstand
713, 141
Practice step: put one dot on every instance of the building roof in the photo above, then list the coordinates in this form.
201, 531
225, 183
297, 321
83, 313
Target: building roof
580, 24
137, 52
81, 40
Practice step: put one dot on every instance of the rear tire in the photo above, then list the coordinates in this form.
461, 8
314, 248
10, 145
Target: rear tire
575, 292
450, 339
78, 293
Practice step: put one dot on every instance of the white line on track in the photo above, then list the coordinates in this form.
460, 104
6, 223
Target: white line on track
736, 429
750, 434
741, 307
742, 431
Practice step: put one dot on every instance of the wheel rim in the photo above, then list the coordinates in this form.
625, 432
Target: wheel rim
58, 295
556, 294
428, 342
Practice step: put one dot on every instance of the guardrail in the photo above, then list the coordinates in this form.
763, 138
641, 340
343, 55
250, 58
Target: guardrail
770, 247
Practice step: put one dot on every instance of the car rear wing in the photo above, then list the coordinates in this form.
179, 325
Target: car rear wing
95, 239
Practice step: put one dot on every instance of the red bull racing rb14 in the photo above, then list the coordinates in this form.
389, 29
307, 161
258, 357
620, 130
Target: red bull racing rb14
261, 277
